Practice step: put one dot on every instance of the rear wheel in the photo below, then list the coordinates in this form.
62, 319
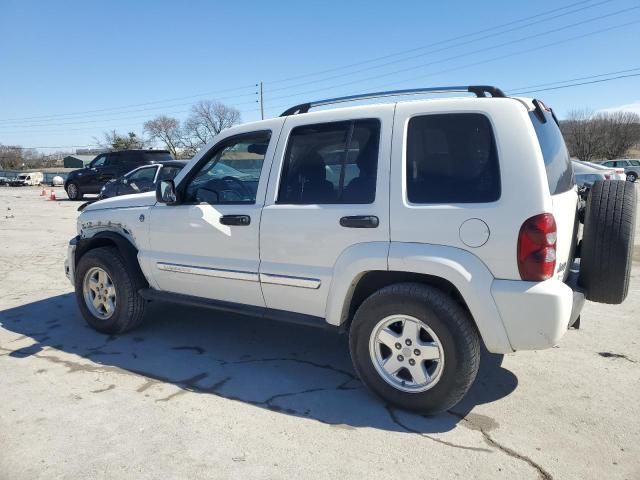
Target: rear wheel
73, 192
107, 291
632, 176
415, 347
607, 244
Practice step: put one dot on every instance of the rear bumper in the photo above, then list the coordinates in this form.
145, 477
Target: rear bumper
537, 314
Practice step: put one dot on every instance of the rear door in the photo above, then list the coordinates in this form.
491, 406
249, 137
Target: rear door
328, 191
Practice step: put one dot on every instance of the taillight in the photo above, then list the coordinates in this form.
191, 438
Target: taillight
607, 177
537, 248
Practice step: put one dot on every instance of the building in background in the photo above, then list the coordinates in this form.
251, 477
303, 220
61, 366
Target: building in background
77, 161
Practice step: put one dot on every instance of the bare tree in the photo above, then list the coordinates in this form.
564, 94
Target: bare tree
115, 141
207, 119
167, 130
11, 156
604, 135
582, 135
621, 131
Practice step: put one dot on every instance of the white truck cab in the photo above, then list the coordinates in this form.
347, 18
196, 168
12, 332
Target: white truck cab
421, 228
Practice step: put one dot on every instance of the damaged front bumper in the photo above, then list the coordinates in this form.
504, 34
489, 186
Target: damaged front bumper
70, 261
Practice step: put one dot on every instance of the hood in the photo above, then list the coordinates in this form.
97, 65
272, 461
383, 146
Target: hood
146, 199
78, 172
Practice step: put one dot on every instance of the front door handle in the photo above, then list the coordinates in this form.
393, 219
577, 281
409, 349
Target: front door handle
360, 221
237, 220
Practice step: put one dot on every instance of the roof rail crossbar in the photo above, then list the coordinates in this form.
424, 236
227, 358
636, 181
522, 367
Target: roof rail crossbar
478, 90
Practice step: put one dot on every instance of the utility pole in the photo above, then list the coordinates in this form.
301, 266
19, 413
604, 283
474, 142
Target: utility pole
261, 103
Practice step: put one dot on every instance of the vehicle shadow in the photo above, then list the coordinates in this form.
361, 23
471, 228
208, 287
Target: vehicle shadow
290, 369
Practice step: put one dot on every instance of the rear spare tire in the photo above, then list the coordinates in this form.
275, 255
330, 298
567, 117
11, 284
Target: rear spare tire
607, 243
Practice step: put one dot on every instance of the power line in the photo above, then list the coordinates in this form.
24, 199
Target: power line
576, 79
579, 84
22, 122
457, 37
473, 52
442, 49
515, 93
137, 104
253, 86
500, 57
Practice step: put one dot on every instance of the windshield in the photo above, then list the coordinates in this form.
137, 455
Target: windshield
156, 156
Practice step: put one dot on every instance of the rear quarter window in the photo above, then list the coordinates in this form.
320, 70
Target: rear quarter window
451, 158
555, 154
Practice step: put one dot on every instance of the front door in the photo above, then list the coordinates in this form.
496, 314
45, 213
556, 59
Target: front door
328, 198
207, 245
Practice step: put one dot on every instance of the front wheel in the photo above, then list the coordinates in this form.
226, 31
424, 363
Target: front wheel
73, 192
415, 346
632, 177
107, 291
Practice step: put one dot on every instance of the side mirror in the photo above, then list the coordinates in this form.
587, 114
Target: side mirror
166, 192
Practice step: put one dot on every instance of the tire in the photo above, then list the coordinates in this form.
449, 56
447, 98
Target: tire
607, 243
632, 177
453, 329
129, 305
73, 192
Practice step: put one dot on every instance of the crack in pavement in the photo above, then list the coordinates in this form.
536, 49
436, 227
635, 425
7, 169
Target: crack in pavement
191, 384
542, 473
397, 421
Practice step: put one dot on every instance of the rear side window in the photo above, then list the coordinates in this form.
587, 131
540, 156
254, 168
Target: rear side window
556, 156
331, 163
452, 158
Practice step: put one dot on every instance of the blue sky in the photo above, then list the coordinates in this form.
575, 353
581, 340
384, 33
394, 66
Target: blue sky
72, 69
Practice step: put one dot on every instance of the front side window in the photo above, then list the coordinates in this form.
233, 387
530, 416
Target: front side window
451, 158
635, 163
231, 172
168, 173
331, 163
99, 162
143, 175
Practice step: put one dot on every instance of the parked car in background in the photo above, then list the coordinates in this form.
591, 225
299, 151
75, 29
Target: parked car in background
4, 181
586, 175
615, 173
142, 179
631, 167
27, 179
108, 166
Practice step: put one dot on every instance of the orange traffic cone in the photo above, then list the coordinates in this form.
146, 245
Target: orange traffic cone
52, 196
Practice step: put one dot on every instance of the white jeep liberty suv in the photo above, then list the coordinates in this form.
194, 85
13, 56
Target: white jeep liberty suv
422, 228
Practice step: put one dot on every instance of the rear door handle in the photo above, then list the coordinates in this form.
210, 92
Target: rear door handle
360, 221
237, 220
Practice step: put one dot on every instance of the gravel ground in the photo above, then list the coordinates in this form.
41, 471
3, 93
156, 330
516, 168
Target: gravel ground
195, 394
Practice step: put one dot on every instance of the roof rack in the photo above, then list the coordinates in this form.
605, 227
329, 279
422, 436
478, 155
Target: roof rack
479, 90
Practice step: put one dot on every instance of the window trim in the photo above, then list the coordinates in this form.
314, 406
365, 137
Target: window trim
350, 121
404, 170
184, 182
